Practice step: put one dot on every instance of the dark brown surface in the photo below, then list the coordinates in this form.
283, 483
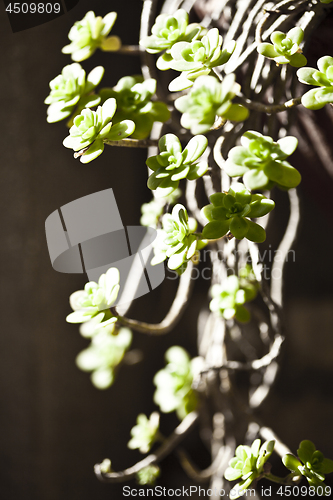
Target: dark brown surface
54, 424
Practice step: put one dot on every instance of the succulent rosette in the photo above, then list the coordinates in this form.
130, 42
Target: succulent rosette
92, 128
310, 463
174, 382
317, 98
262, 162
232, 212
285, 48
145, 432
198, 57
134, 102
148, 475
173, 164
95, 300
90, 34
106, 351
207, 100
175, 241
248, 465
71, 91
168, 30
229, 297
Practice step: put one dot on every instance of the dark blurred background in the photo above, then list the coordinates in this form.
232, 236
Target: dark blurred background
54, 425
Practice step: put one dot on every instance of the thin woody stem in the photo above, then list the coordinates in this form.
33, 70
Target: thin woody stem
269, 108
167, 447
133, 143
178, 305
289, 479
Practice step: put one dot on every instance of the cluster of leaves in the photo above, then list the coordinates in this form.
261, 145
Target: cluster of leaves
317, 98
197, 58
262, 162
90, 34
228, 298
104, 355
207, 100
231, 211
134, 102
168, 30
145, 432
148, 475
310, 463
248, 465
174, 382
92, 128
284, 48
176, 240
94, 302
172, 164
72, 91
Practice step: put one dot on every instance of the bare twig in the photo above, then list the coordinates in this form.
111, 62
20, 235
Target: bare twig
167, 447
269, 108
178, 305
133, 143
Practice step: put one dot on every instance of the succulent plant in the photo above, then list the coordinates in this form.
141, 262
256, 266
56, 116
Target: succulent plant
317, 98
232, 212
172, 164
262, 162
207, 100
310, 463
198, 57
152, 211
148, 475
228, 298
175, 241
284, 48
72, 91
174, 382
144, 433
106, 351
92, 128
248, 465
90, 34
134, 102
95, 300
167, 31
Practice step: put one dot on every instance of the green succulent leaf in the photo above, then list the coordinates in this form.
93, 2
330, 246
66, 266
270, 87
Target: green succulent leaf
106, 351
173, 164
92, 128
134, 102
145, 432
228, 301
174, 382
168, 30
230, 211
69, 91
90, 34
262, 162
198, 57
208, 99
317, 98
285, 48
247, 465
